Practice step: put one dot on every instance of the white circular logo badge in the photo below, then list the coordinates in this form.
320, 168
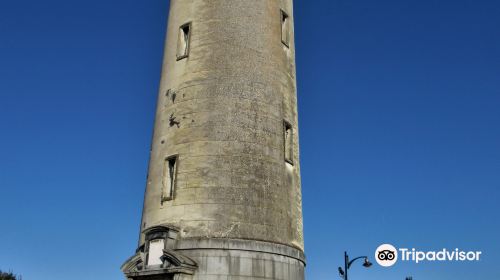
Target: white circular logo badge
386, 255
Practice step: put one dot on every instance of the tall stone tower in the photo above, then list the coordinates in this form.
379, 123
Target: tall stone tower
223, 194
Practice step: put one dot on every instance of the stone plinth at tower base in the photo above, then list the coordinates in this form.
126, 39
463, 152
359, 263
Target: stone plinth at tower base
215, 259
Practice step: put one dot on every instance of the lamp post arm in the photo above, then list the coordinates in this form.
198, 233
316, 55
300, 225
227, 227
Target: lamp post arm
350, 263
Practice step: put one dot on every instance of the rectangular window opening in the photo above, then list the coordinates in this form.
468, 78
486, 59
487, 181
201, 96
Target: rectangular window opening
156, 251
288, 138
183, 41
285, 29
169, 178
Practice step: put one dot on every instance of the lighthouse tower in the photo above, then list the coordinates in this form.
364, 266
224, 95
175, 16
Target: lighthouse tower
223, 194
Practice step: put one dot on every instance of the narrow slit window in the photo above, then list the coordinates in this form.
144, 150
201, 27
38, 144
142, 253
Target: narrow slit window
169, 178
288, 139
183, 41
285, 28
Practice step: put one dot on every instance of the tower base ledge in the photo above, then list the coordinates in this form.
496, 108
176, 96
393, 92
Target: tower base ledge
235, 259
241, 245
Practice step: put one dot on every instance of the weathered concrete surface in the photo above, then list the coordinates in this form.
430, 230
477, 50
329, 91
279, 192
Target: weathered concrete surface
223, 259
221, 110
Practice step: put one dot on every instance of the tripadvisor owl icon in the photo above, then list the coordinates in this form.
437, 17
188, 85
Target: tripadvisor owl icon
386, 255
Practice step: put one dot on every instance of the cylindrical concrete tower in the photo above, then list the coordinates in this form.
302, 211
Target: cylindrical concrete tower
223, 195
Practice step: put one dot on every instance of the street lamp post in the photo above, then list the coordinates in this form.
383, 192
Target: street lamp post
348, 263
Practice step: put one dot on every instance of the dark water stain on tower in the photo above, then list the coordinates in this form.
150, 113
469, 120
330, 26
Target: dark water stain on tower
223, 199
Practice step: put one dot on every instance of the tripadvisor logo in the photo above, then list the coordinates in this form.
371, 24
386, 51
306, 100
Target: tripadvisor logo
387, 255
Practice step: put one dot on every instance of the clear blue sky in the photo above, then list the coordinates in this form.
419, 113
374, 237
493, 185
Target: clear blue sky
399, 121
